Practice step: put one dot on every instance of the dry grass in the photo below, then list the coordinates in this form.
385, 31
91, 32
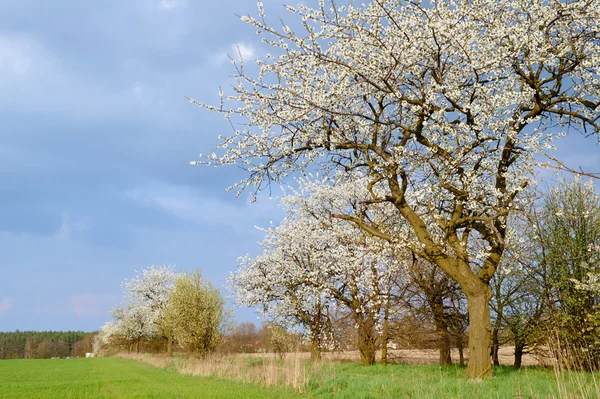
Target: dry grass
339, 372
266, 370
566, 363
294, 370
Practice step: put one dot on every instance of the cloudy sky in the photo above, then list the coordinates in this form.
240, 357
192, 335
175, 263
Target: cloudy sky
96, 136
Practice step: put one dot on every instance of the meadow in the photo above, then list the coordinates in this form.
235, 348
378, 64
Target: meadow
127, 378
116, 378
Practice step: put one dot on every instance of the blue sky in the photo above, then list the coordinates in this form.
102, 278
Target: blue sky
96, 136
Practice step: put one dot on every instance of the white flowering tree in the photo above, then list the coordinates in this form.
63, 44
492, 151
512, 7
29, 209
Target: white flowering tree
151, 286
141, 313
151, 289
443, 105
276, 280
103, 338
313, 262
133, 321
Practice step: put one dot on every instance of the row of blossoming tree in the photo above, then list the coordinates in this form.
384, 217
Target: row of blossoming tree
315, 267
161, 304
442, 109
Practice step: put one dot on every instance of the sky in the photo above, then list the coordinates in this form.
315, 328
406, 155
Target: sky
96, 136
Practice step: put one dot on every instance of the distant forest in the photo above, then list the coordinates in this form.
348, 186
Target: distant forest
44, 344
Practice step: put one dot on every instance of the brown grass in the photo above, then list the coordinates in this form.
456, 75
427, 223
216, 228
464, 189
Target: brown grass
294, 370
267, 370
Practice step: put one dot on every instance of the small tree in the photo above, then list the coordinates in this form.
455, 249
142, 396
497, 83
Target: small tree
132, 323
281, 282
435, 293
516, 290
567, 234
195, 312
278, 340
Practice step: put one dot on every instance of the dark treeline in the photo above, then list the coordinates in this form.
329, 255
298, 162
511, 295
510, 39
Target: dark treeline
44, 344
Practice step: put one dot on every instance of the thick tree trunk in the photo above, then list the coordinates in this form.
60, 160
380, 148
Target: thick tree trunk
366, 341
480, 328
169, 346
518, 356
439, 318
315, 349
137, 345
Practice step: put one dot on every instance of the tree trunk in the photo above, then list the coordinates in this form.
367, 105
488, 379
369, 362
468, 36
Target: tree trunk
495, 346
385, 335
444, 347
495, 340
315, 349
137, 345
441, 326
518, 356
480, 328
366, 341
169, 346
461, 350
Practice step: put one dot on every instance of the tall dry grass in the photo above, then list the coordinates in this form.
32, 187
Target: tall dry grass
297, 372
293, 371
572, 366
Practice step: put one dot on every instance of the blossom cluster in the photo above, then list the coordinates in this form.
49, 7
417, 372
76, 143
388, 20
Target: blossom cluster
145, 297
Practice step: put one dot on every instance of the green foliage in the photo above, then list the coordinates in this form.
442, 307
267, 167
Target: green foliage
38, 344
195, 314
278, 340
568, 235
115, 378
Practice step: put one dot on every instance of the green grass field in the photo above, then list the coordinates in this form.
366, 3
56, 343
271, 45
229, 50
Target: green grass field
121, 378
432, 382
115, 378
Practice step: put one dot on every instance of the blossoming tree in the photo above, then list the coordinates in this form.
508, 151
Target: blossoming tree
276, 281
312, 263
150, 289
140, 316
132, 323
443, 105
